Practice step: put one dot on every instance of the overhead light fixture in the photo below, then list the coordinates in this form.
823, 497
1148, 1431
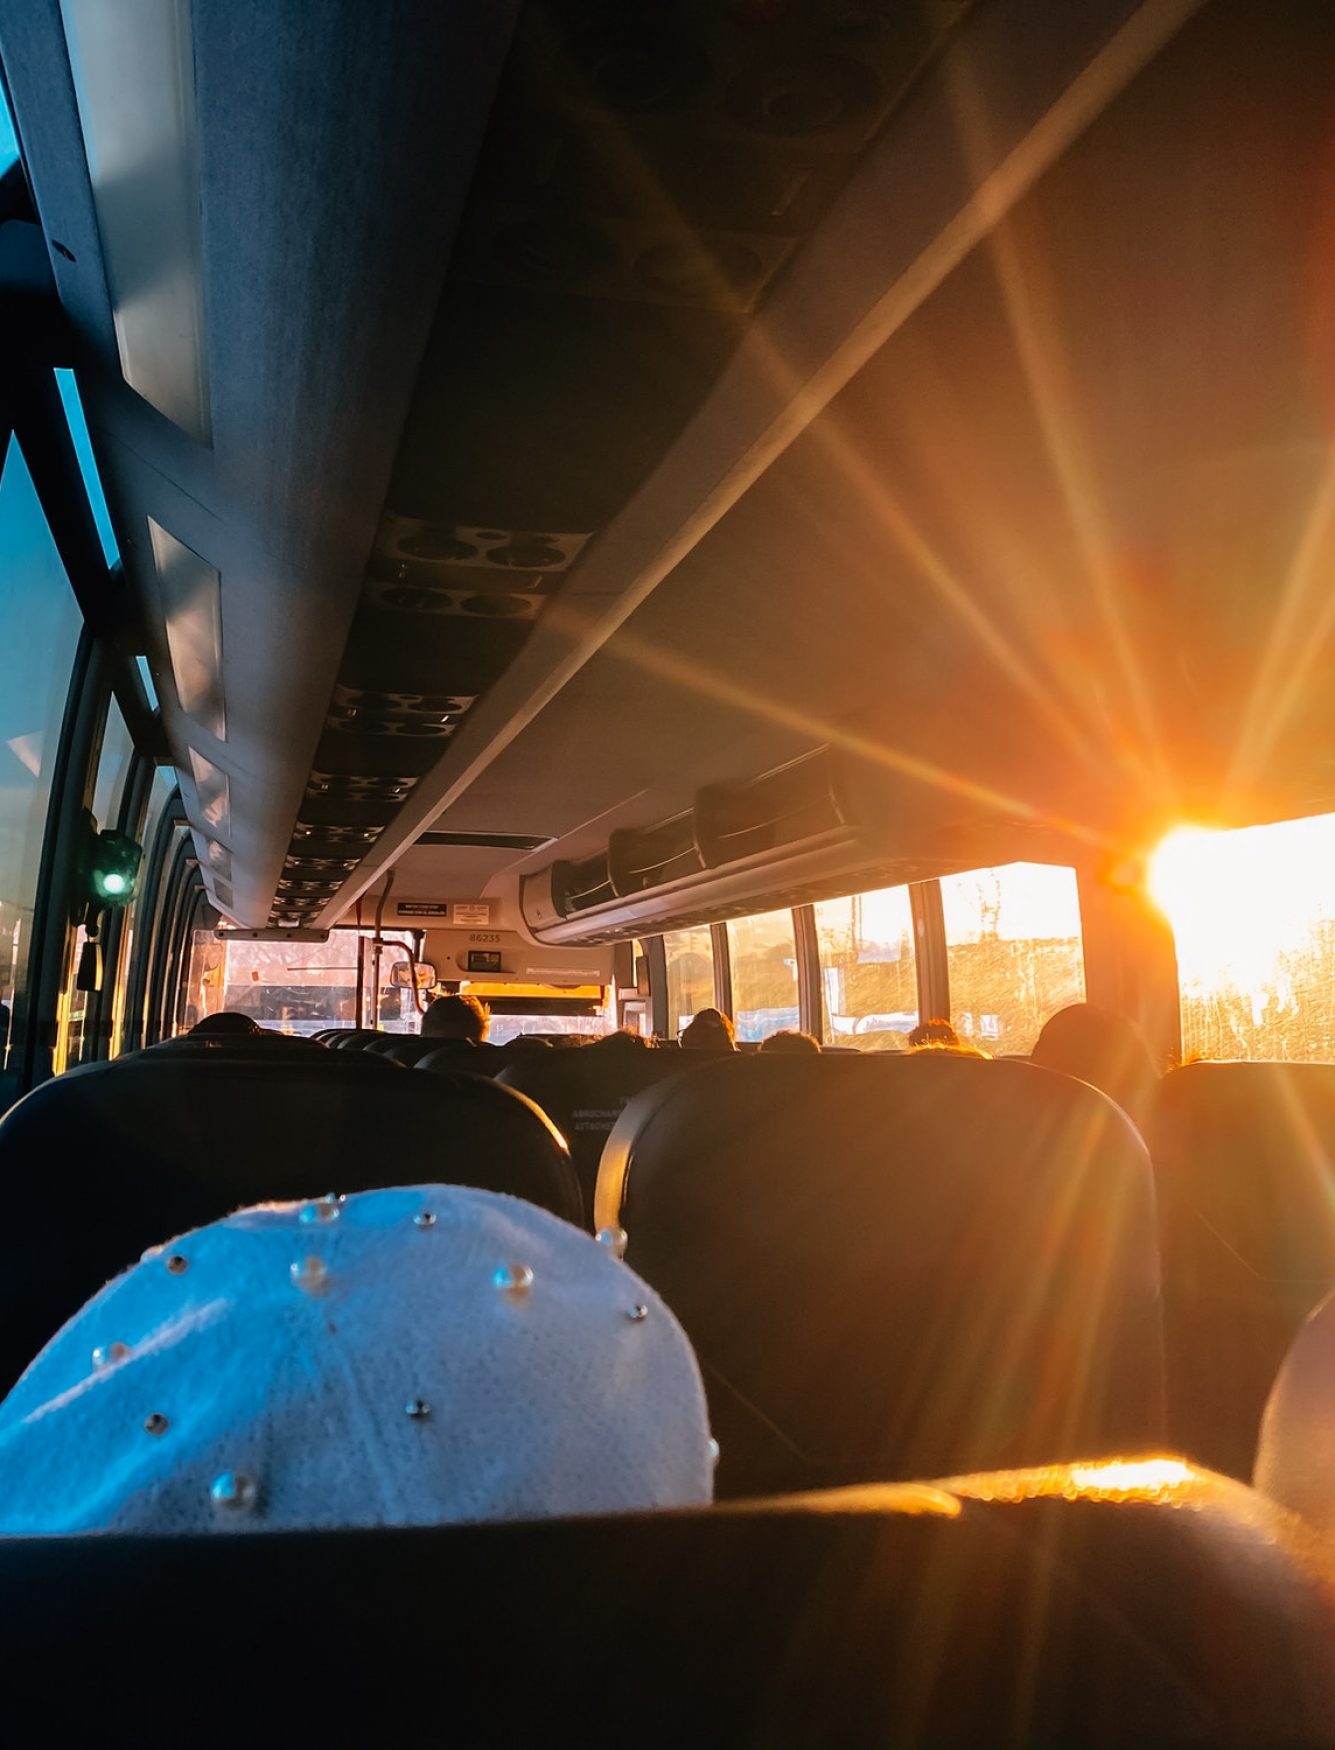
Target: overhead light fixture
134, 81
192, 613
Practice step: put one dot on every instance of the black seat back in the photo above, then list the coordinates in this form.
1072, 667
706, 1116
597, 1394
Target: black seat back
894, 1618
451, 1055
897, 1266
1244, 1155
583, 1093
410, 1048
112, 1158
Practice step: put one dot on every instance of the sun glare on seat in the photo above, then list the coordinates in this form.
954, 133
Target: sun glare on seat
1253, 916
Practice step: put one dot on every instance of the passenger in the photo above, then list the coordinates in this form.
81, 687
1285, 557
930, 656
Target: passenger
622, 1040
419, 1356
456, 1017
790, 1040
226, 1024
1102, 1048
938, 1048
932, 1033
711, 1030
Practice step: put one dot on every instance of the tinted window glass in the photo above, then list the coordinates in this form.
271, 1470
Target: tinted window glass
764, 974
690, 975
868, 976
113, 768
41, 625
1014, 952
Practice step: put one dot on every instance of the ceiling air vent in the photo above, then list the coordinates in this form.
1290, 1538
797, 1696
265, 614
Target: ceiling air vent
358, 711
351, 787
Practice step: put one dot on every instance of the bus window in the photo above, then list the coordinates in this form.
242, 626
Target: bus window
38, 614
295, 987
1254, 922
763, 957
553, 1010
690, 975
868, 979
1014, 952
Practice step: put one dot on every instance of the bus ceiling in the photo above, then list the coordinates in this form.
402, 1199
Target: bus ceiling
745, 386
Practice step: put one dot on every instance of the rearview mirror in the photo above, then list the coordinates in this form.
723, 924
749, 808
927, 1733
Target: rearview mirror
423, 971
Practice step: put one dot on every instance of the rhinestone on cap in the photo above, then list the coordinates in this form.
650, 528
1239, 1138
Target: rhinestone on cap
514, 1280
108, 1354
638, 1314
234, 1492
157, 1423
425, 1218
310, 1275
177, 1263
713, 1452
616, 1239
417, 1409
323, 1209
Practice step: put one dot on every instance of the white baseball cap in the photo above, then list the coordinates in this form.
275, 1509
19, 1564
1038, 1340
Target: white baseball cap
403, 1357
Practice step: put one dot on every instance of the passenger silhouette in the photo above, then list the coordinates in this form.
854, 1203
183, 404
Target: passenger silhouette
456, 1017
790, 1040
227, 1024
622, 1040
933, 1033
711, 1030
1101, 1048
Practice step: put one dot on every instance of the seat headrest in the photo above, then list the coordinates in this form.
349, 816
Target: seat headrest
110, 1158
1295, 1458
902, 1264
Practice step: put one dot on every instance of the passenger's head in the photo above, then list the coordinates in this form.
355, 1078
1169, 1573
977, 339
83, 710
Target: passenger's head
790, 1040
936, 1048
226, 1024
1100, 1047
711, 1030
418, 1356
456, 1017
933, 1033
622, 1040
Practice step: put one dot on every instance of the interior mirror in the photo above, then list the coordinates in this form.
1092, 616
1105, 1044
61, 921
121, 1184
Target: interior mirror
423, 971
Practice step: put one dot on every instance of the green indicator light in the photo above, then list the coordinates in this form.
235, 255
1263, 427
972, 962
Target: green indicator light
113, 870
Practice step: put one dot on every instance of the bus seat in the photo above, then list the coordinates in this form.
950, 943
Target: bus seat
245, 1048
583, 1093
1244, 1157
899, 1265
986, 1611
381, 1044
354, 1039
462, 1057
109, 1159
410, 1048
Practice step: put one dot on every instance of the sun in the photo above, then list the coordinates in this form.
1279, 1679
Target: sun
1238, 900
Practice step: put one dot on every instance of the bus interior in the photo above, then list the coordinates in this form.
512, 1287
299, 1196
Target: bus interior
820, 510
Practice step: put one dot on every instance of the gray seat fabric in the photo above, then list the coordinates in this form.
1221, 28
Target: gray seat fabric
897, 1266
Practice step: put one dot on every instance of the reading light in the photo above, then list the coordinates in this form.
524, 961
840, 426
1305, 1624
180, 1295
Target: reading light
113, 871
134, 82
